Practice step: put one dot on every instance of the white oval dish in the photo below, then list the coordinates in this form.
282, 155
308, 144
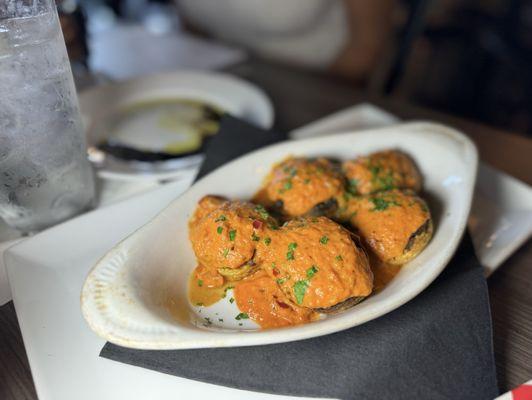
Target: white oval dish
126, 295
229, 93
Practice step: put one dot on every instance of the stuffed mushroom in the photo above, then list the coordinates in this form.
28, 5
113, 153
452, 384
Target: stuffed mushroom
384, 170
299, 186
395, 225
317, 264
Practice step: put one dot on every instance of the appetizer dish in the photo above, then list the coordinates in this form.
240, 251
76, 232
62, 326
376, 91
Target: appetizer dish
292, 241
319, 237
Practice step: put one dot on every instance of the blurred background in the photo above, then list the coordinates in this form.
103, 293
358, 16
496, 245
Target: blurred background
469, 58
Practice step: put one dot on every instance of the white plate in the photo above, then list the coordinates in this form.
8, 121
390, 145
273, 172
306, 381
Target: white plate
124, 295
231, 94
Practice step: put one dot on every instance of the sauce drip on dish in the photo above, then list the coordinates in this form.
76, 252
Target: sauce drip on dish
301, 249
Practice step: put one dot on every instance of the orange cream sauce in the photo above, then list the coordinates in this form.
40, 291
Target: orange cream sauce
206, 287
383, 170
300, 184
387, 220
263, 301
383, 274
316, 263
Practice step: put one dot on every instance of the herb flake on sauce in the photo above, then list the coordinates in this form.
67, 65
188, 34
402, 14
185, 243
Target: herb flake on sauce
312, 271
242, 315
300, 288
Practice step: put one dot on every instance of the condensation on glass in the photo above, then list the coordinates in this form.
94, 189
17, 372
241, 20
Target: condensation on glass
45, 176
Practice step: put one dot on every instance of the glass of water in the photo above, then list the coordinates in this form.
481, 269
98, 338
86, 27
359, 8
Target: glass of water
45, 176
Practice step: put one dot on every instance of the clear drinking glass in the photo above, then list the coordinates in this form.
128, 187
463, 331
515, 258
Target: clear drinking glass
45, 176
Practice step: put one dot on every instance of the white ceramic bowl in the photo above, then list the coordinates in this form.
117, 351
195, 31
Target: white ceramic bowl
229, 93
126, 295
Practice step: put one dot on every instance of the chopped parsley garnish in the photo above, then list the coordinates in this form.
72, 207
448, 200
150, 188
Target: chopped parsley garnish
339, 258
232, 235
312, 271
287, 186
200, 283
226, 252
255, 238
267, 241
242, 315
300, 288
220, 319
374, 169
221, 218
273, 227
352, 185
290, 254
386, 182
383, 182
382, 204
208, 320
280, 281
324, 240
219, 230
290, 171
262, 211
232, 300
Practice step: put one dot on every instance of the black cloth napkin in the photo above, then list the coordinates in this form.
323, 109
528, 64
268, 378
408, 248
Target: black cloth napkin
437, 346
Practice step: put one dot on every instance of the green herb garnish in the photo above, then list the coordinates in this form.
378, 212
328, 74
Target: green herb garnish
380, 204
219, 230
221, 218
324, 240
267, 241
262, 211
290, 254
287, 186
312, 271
232, 300
280, 281
200, 283
352, 185
232, 235
339, 258
226, 252
300, 288
255, 238
242, 315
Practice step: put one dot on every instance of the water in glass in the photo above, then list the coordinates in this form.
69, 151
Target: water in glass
44, 173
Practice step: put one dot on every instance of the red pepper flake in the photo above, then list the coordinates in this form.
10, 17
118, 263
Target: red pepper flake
275, 271
257, 224
282, 305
